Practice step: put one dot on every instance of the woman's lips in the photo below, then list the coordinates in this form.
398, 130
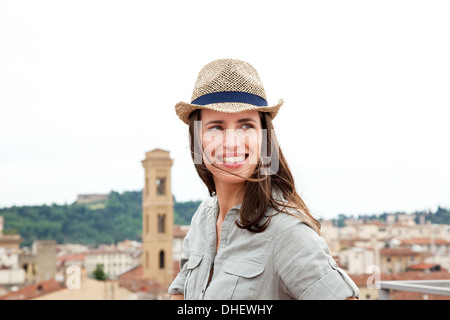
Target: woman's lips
232, 160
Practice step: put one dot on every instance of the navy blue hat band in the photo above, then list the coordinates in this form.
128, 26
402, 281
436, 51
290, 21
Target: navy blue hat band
230, 96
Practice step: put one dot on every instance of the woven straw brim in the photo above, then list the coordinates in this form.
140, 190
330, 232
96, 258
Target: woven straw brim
184, 109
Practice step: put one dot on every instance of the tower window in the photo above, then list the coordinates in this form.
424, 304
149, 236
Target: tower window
161, 186
161, 223
146, 223
161, 259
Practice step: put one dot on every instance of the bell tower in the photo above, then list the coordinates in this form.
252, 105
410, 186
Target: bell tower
157, 217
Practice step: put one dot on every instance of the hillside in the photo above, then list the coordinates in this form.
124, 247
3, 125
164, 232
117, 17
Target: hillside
117, 218
108, 221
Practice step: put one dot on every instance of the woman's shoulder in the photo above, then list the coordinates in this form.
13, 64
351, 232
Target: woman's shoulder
291, 222
287, 217
292, 234
204, 209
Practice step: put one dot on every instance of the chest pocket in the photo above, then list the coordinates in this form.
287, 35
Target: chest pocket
245, 277
192, 278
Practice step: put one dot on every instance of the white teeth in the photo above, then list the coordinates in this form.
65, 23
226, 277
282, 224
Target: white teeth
234, 159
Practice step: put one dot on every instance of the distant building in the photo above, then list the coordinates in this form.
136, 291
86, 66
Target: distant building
40, 263
114, 262
179, 233
10, 271
356, 260
368, 291
20, 269
9, 241
433, 245
90, 198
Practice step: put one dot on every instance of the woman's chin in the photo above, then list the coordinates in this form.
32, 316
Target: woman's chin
233, 174
229, 178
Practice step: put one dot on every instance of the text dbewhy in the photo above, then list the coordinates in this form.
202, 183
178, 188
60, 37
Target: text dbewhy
233, 309
246, 309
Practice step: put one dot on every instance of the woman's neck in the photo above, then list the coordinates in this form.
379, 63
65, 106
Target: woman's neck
228, 196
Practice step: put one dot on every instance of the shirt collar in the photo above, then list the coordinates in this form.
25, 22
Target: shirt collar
214, 205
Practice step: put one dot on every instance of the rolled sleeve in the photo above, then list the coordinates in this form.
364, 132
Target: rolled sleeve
331, 287
177, 285
305, 266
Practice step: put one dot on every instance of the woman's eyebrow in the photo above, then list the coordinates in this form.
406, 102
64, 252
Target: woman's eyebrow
222, 122
246, 120
214, 122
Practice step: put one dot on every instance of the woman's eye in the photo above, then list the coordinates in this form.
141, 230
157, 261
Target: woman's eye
215, 128
247, 126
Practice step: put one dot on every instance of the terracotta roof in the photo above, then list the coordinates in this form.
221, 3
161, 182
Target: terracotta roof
105, 251
34, 290
424, 241
72, 257
180, 231
423, 266
376, 223
399, 252
134, 281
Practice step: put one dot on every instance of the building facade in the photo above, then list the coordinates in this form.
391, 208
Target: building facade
157, 217
114, 262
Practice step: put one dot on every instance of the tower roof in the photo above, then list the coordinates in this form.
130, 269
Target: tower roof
161, 156
157, 153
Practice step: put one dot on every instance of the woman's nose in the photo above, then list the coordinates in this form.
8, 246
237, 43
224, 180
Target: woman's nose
232, 140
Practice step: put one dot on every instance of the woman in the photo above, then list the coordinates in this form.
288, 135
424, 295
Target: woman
254, 238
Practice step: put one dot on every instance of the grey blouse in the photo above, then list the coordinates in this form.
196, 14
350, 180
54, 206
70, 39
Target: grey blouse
288, 260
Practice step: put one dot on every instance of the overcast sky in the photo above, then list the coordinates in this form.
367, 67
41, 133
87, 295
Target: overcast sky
87, 87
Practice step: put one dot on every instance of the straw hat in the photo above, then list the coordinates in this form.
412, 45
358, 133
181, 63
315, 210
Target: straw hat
227, 85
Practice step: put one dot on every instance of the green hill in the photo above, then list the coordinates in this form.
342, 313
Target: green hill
115, 219
104, 222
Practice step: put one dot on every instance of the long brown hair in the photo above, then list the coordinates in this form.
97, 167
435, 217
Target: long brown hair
257, 190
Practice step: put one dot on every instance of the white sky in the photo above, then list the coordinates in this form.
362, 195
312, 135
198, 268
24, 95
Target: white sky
87, 87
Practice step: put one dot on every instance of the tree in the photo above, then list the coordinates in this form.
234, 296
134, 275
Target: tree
98, 273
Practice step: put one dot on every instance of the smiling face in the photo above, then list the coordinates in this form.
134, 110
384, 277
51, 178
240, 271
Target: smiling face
231, 141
